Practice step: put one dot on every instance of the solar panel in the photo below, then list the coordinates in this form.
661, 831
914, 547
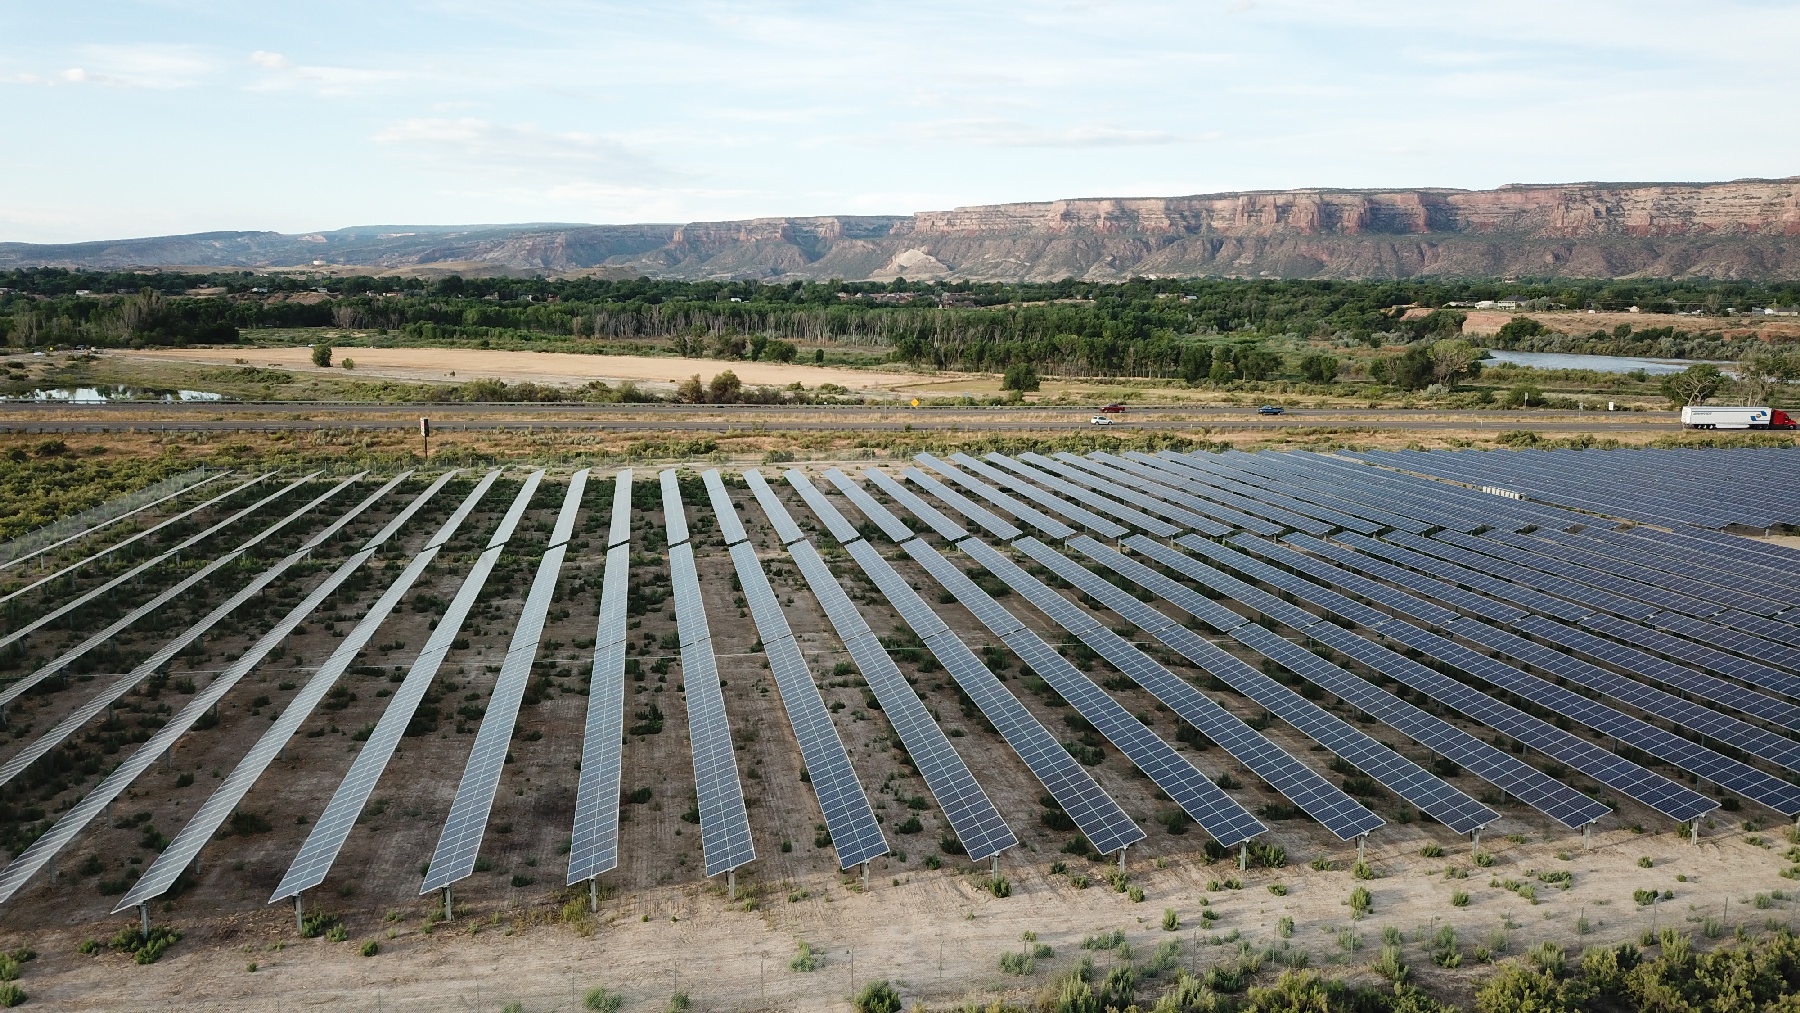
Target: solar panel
1501, 769
1105, 825
1030, 515
1200, 798
1235, 494
619, 530
835, 522
117, 689
1685, 713
785, 528
1282, 580
22, 868
873, 510
218, 807
1455, 573
724, 821
1092, 474
1315, 795
986, 519
848, 816
1525, 568
1402, 776
1013, 484
1056, 475
106, 635
594, 839
1237, 590
1350, 559
1730, 638
122, 543
454, 858
313, 862
673, 516
1696, 654
1259, 487
14, 636
730, 528
944, 526
1652, 789
180, 484
1154, 480
1399, 601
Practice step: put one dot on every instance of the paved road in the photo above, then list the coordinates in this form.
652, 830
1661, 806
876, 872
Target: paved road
1565, 423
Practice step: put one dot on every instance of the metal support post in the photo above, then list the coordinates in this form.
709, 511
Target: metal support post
994, 860
865, 877
144, 919
299, 915
449, 908
731, 883
1361, 840
1587, 836
1476, 836
1694, 831
594, 894
1121, 858
1243, 856
52, 870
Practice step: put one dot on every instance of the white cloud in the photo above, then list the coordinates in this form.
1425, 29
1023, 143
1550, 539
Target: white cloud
567, 157
322, 80
273, 61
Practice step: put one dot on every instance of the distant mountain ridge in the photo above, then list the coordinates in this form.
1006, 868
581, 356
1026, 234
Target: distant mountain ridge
1744, 229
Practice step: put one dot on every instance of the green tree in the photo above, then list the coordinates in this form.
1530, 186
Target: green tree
1319, 368
1765, 373
1452, 359
1517, 328
724, 387
1021, 377
1255, 363
1410, 370
1692, 385
690, 391
321, 355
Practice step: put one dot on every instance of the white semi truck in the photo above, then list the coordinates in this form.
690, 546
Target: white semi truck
1707, 417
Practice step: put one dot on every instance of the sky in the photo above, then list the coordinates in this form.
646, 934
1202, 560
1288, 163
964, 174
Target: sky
159, 118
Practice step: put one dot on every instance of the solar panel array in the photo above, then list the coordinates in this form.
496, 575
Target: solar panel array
454, 857
977, 824
724, 821
51, 536
119, 687
213, 813
1094, 812
1199, 797
132, 539
855, 834
594, 839
44, 849
313, 862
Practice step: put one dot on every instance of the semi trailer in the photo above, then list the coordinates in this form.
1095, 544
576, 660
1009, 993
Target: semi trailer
1749, 417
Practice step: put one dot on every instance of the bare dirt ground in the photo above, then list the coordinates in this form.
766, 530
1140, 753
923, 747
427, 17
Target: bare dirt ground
458, 365
1485, 322
663, 928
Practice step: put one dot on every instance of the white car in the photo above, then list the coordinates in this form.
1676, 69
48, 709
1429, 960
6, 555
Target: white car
1100, 420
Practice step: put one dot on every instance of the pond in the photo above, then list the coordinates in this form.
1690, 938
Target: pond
1597, 363
102, 395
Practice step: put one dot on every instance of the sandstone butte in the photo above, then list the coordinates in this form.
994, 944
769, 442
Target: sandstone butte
1745, 229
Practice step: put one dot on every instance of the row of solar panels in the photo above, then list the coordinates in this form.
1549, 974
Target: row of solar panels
1162, 495
1710, 489
1752, 782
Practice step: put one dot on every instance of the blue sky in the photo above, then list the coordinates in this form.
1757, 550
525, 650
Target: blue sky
126, 119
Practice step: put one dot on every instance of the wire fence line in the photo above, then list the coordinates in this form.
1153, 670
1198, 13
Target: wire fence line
96, 517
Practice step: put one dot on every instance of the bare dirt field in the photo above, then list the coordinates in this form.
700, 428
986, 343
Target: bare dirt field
459, 365
663, 928
1482, 323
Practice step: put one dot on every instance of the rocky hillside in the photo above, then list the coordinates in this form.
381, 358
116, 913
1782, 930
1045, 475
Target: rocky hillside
1746, 229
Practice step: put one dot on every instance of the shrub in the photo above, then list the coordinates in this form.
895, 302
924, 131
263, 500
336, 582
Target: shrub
1284, 927
1170, 920
878, 997
807, 960
1361, 902
321, 355
11, 994
1389, 965
370, 948
1459, 899
603, 1000
1431, 851
1645, 862
1361, 870
1483, 859
1016, 963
